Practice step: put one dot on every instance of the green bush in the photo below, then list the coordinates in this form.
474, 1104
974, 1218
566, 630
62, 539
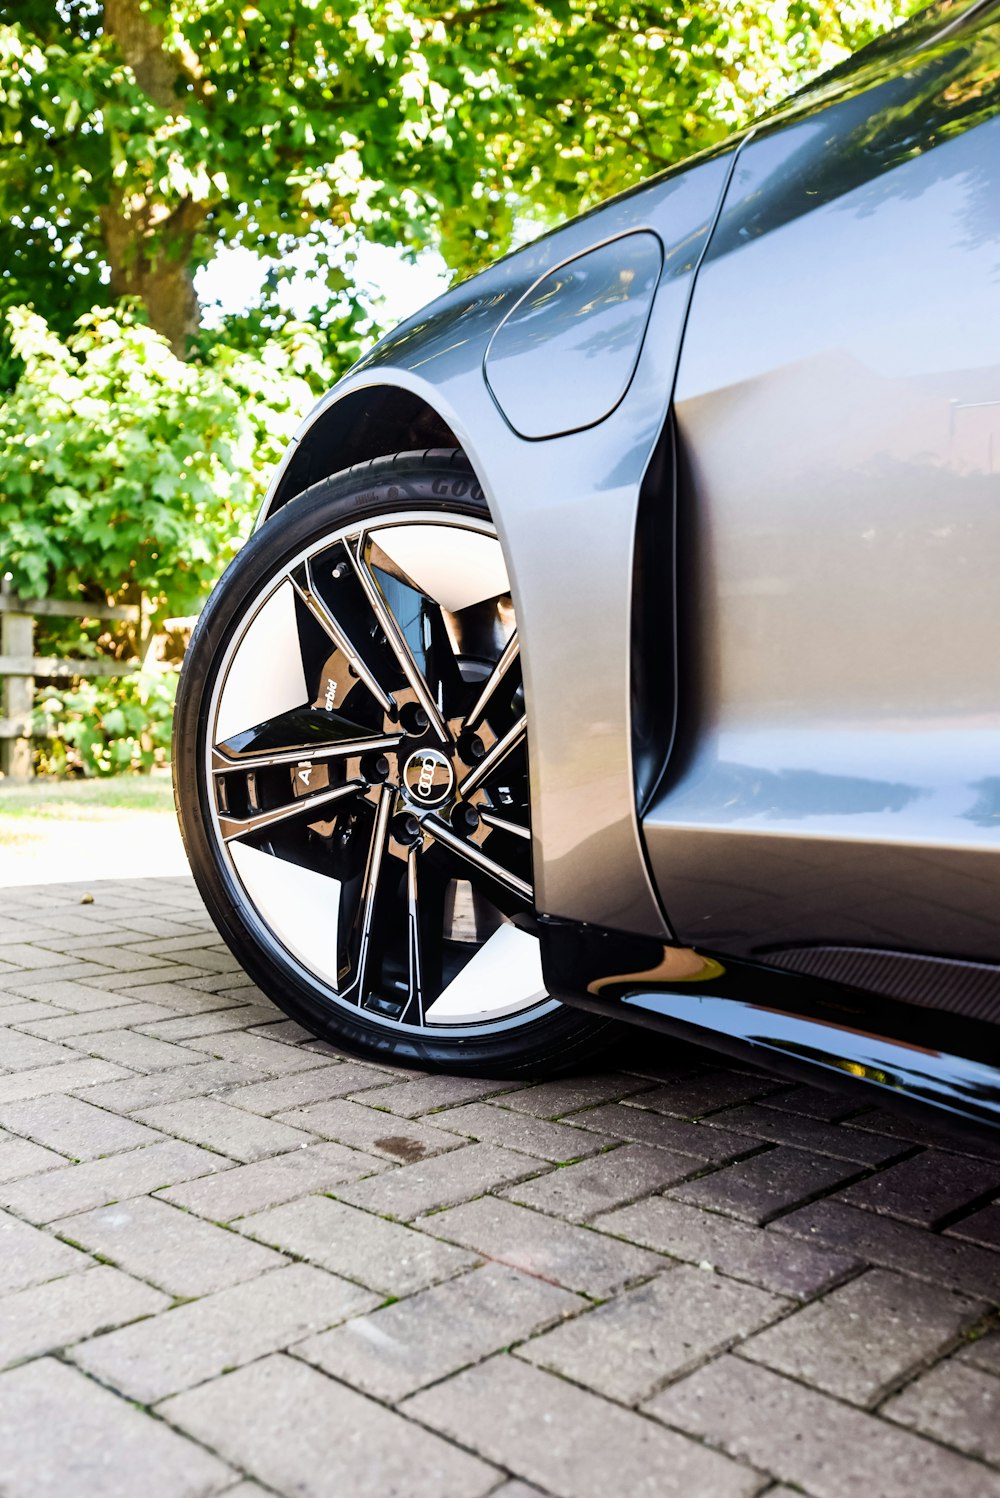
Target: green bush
124, 471
126, 474
100, 728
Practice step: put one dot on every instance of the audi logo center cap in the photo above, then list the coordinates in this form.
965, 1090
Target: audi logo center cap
428, 777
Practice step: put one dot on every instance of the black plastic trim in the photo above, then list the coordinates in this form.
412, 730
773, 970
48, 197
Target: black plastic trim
373, 422
797, 1025
945, 983
653, 653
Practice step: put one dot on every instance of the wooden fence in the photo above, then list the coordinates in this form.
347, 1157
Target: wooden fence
20, 667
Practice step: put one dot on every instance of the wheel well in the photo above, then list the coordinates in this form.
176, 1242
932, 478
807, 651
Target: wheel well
365, 424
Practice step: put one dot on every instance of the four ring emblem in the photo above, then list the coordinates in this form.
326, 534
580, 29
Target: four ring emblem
428, 777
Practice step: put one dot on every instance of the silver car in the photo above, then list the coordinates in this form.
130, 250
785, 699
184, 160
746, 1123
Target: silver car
620, 638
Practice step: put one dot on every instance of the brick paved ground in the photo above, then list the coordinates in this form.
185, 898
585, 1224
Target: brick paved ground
233, 1260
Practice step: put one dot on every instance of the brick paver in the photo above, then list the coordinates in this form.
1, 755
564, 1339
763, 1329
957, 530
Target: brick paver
984, 1352
827, 1448
424, 1094
897, 1245
925, 1189
74, 1128
568, 1440
172, 1249
142, 1053
981, 1227
861, 1340
558, 1251
386, 1256
369, 1129
236, 1261
716, 1242
19, 1157
417, 1341
306, 1434
956, 1404
767, 1184
54, 1315
556, 1142
29, 1256
197, 1341
61, 1436
428, 1185
710, 1146
632, 1344
219, 1126
269, 1183
132, 1094
608, 1180
75, 1188
305, 1087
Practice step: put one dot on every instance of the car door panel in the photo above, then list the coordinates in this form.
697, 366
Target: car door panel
836, 775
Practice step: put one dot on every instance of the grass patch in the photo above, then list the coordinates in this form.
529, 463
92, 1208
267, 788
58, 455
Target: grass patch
86, 800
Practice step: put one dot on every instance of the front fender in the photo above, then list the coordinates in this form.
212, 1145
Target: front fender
567, 510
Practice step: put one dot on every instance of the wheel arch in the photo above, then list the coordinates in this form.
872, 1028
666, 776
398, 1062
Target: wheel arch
366, 422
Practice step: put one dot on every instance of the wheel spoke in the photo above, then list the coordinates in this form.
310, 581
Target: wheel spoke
225, 764
415, 1001
502, 825
492, 758
509, 655
475, 856
299, 729
455, 567
316, 606
300, 906
369, 889
504, 975
266, 676
397, 644
233, 827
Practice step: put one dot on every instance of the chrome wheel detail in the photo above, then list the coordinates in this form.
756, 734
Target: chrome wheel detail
366, 775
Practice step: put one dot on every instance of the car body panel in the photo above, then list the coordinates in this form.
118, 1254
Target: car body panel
838, 418
564, 357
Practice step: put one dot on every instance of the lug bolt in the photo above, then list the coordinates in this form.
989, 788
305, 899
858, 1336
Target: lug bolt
465, 818
375, 767
405, 829
413, 719
471, 748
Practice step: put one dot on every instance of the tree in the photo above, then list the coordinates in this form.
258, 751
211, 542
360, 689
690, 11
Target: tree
137, 136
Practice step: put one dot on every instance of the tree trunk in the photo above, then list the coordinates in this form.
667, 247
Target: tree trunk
148, 244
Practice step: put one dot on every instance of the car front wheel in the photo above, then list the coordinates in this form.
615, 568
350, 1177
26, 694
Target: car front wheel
351, 773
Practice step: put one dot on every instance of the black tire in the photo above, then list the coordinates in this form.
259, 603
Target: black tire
549, 1037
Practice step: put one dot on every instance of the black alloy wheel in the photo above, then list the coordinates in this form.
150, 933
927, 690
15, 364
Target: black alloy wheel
351, 775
